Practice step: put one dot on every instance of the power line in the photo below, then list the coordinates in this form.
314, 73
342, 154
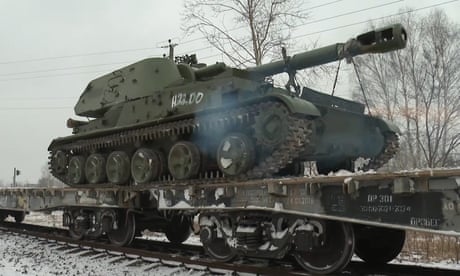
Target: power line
319, 20
66, 68
75, 55
237, 28
126, 50
35, 98
299, 36
35, 108
209, 47
56, 75
364, 21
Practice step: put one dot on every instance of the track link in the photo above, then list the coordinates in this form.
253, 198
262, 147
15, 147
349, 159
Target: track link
297, 137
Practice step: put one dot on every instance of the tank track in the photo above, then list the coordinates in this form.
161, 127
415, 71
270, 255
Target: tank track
391, 147
297, 138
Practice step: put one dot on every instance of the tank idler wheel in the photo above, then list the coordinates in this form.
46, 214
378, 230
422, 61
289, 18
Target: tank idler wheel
95, 168
333, 254
59, 162
235, 154
184, 160
271, 126
126, 229
378, 245
76, 171
118, 167
147, 165
178, 229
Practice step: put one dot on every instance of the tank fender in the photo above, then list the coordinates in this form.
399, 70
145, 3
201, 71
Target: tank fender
386, 125
297, 105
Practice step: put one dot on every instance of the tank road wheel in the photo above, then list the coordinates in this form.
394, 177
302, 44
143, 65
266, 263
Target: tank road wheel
378, 245
126, 230
235, 154
76, 170
184, 160
118, 167
95, 168
147, 165
59, 162
270, 125
178, 229
334, 251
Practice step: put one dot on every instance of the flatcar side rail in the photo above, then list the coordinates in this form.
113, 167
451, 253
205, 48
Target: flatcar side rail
427, 200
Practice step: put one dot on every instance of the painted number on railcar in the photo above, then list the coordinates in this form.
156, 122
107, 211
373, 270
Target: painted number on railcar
379, 198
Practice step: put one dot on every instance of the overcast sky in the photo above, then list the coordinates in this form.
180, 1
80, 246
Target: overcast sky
51, 49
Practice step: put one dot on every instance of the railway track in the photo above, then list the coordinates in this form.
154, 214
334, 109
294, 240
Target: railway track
149, 255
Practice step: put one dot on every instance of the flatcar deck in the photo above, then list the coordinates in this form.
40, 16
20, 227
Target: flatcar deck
427, 200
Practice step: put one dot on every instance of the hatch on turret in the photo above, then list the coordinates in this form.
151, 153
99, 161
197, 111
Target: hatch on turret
136, 80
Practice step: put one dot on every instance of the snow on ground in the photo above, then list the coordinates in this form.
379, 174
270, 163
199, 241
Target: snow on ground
27, 256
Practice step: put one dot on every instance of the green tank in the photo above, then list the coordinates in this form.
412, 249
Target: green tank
163, 120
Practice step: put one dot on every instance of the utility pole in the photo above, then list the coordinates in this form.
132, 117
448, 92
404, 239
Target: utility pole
15, 173
171, 49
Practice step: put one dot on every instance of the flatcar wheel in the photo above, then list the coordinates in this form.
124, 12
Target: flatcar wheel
178, 229
126, 230
184, 160
59, 162
75, 232
146, 165
76, 171
333, 254
218, 249
378, 245
118, 167
95, 168
235, 154
19, 216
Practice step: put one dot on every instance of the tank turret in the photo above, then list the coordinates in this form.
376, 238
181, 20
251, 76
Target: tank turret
157, 119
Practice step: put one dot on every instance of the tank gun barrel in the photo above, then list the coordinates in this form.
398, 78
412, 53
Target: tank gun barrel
386, 39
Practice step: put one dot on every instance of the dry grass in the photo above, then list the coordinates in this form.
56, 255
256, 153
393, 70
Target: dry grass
427, 247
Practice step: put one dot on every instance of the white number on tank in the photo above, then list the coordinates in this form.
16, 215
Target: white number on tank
181, 99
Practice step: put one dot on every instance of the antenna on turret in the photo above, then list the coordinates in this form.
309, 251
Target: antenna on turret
171, 49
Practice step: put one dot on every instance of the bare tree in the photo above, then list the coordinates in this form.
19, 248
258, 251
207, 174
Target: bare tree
47, 180
246, 32
418, 88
